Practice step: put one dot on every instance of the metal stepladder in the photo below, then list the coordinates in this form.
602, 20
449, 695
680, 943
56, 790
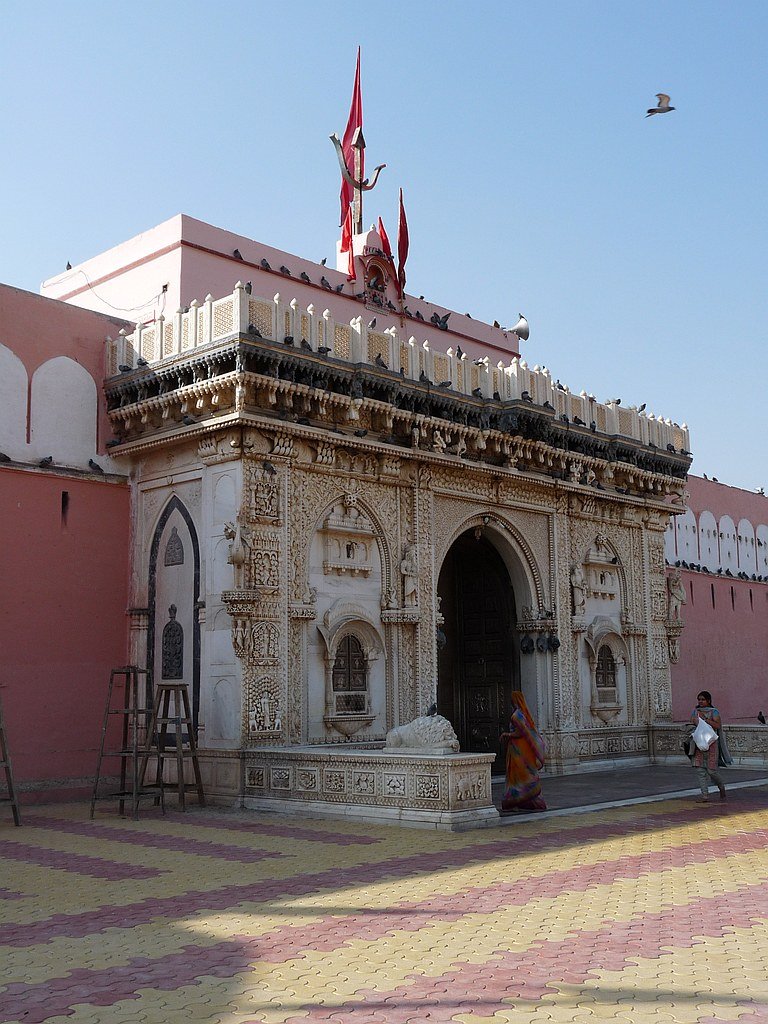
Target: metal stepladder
5, 763
135, 736
179, 744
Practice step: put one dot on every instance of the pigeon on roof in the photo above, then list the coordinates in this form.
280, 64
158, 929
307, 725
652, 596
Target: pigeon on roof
663, 107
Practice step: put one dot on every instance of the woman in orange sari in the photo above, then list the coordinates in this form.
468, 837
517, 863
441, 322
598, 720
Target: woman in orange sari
525, 756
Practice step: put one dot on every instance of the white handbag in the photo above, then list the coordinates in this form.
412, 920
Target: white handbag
703, 735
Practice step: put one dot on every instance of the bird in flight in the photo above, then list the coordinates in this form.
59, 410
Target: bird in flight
663, 107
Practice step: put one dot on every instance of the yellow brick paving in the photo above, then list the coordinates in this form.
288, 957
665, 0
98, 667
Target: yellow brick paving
722, 977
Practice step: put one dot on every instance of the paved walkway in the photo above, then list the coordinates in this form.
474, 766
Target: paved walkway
591, 790
641, 913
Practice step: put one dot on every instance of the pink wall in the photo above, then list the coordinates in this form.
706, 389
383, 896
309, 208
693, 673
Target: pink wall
64, 621
723, 648
720, 499
37, 329
195, 259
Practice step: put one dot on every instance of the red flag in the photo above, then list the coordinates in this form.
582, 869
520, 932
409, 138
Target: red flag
387, 248
346, 243
402, 246
354, 122
385, 240
346, 231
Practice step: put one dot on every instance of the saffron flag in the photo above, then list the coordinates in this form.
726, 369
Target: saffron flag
388, 253
385, 240
402, 246
354, 122
346, 244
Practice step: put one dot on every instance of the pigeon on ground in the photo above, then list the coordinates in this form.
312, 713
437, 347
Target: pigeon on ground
663, 107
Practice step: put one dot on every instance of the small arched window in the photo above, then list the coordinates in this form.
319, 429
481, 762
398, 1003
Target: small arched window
350, 677
605, 675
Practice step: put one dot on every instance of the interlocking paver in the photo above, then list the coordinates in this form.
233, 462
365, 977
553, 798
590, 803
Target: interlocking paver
652, 913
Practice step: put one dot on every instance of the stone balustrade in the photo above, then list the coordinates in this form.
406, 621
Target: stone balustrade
208, 323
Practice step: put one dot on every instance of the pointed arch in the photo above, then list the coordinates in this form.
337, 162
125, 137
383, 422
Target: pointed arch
174, 504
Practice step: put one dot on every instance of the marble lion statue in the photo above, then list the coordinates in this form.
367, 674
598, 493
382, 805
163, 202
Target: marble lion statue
431, 732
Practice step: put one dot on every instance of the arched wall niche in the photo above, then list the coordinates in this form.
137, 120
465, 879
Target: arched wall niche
746, 547
176, 584
729, 558
601, 557
348, 569
13, 403
63, 412
603, 632
687, 536
709, 542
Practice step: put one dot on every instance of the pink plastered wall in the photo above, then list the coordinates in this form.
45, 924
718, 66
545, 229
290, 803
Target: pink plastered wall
191, 259
723, 647
37, 329
65, 580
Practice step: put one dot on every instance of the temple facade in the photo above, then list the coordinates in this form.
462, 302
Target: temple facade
344, 517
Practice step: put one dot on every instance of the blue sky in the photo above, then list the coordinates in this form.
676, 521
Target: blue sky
533, 182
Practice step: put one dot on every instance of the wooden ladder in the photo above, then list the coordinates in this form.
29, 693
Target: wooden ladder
181, 742
135, 720
5, 763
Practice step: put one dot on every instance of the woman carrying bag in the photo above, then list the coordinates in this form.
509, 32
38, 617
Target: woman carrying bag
705, 756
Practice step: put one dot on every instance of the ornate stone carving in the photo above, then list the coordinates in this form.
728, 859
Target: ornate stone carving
676, 596
430, 733
578, 589
409, 569
174, 549
173, 647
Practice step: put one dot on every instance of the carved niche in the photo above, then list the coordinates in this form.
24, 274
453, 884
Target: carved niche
348, 539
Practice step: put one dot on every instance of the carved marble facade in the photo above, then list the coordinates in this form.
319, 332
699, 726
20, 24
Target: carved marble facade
320, 548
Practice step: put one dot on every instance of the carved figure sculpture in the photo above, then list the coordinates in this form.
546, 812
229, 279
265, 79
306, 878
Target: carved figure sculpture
429, 732
410, 572
675, 596
578, 589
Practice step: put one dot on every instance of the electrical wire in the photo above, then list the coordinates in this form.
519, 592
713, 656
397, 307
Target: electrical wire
121, 309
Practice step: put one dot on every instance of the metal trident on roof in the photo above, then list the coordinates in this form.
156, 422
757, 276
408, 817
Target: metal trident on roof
358, 185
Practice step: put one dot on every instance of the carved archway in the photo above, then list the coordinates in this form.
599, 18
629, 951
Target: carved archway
187, 603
